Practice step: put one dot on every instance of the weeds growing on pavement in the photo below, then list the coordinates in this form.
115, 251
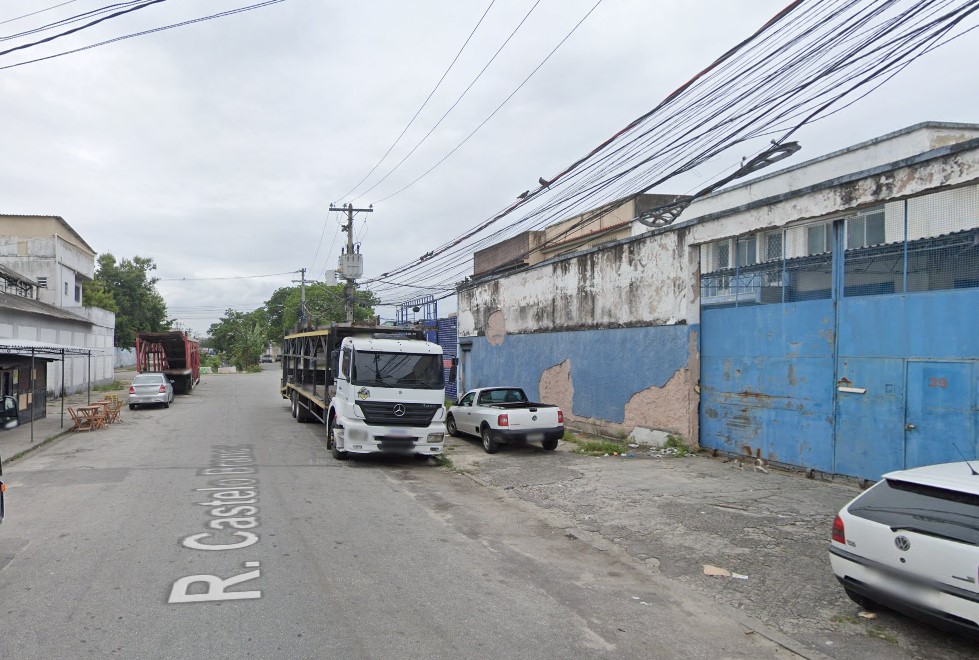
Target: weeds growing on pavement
677, 445
600, 448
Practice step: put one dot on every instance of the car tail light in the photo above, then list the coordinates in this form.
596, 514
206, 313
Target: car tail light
3, 487
163, 389
503, 420
132, 390
560, 416
839, 534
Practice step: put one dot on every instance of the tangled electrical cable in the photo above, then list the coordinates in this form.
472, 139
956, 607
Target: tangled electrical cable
812, 56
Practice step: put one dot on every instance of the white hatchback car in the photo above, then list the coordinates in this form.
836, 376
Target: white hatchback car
150, 388
911, 543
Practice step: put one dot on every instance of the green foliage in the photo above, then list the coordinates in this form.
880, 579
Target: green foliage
676, 443
96, 294
599, 447
240, 337
131, 293
324, 305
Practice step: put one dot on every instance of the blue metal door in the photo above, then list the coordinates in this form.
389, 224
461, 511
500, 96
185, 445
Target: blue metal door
938, 418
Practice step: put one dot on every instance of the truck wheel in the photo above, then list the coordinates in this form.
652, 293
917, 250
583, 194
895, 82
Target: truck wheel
489, 444
450, 425
550, 444
338, 454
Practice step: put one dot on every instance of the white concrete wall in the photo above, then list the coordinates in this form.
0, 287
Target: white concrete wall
653, 279
97, 337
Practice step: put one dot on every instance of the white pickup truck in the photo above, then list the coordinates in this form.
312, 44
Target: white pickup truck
504, 415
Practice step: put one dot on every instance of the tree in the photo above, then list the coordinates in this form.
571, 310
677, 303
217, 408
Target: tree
325, 304
240, 336
139, 307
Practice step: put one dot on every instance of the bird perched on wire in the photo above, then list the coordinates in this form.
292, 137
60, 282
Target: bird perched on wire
523, 195
543, 182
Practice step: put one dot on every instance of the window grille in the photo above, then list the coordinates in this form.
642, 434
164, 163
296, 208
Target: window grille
42, 282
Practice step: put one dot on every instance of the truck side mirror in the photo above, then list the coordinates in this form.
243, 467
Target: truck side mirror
8, 415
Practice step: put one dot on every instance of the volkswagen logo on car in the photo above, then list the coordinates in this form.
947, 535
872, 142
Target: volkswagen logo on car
399, 410
903, 543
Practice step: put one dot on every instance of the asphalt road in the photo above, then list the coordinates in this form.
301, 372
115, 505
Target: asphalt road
109, 550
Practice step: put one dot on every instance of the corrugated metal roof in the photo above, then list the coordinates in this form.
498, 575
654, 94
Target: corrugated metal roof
28, 347
31, 306
14, 275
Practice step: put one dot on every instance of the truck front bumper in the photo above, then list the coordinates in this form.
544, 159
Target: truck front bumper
360, 438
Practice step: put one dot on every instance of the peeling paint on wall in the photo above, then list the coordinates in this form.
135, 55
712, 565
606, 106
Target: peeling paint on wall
663, 408
495, 328
557, 388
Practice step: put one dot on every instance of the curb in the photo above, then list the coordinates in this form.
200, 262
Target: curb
30, 450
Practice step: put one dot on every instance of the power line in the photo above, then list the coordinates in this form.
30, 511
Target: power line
145, 32
424, 103
39, 11
146, 4
230, 277
788, 73
456, 102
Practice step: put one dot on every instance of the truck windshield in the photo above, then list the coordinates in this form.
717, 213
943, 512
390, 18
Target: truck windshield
405, 370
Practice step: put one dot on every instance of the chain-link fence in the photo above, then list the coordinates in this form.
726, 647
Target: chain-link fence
926, 243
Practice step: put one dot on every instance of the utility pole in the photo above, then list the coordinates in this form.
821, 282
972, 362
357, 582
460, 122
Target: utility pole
302, 299
351, 265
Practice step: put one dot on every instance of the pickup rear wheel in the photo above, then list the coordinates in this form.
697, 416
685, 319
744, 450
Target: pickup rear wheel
550, 444
338, 454
489, 444
450, 425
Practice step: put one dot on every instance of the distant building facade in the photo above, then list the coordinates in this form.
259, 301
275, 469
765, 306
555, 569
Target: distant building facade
44, 267
823, 316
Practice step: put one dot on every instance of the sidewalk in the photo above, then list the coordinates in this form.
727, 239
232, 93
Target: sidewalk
16, 442
768, 529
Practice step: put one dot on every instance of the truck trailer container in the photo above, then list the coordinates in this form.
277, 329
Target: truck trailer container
373, 388
174, 354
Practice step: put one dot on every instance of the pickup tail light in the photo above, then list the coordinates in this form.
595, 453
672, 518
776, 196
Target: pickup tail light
560, 416
132, 390
503, 420
163, 389
839, 533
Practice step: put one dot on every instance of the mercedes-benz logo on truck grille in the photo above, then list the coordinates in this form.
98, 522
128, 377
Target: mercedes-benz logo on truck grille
399, 410
902, 543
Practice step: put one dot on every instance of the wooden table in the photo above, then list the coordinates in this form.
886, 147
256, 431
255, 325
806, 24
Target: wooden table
94, 413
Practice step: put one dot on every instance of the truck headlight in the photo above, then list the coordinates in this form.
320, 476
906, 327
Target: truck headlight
435, 438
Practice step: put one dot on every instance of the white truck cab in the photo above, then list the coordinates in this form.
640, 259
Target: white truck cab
389, 397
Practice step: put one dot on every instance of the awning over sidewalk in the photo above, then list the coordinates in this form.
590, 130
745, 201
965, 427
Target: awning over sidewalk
27, 348
48, 352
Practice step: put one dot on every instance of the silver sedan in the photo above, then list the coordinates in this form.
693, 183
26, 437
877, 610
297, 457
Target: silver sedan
150, 388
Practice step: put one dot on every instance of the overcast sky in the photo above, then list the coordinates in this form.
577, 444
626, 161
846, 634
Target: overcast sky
216, 149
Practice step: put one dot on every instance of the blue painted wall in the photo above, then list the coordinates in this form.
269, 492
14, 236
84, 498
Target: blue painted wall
767, 382
607, 366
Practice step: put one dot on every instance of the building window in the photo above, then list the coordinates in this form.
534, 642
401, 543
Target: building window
66, 288
78, 293
42, 282
820, 238
773, 246
747, 251
722, 255
865, 229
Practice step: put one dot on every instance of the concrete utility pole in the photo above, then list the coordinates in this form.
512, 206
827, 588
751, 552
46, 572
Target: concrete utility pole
351, 267
302, 299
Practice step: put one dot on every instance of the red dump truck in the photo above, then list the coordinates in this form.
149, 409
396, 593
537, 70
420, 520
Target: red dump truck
173, 354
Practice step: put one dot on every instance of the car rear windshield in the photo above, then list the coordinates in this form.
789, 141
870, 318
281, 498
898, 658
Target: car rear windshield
928, 510
147, 380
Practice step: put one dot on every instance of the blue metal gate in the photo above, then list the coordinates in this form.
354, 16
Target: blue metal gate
835, 347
